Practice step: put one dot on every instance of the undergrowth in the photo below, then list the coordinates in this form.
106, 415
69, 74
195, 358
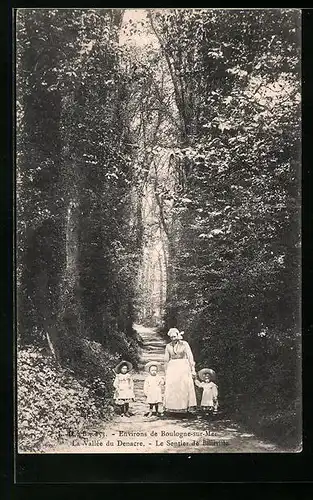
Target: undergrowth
52, 402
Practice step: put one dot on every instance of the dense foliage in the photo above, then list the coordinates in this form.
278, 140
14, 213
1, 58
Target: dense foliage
185, 148
53, 404
236, 80
75, 246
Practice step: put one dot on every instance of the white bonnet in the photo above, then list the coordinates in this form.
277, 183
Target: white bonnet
175, 331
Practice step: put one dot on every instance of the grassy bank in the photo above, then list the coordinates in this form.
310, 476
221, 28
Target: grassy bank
54, 400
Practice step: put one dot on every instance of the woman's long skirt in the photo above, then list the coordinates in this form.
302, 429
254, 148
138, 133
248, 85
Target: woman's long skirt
179, 393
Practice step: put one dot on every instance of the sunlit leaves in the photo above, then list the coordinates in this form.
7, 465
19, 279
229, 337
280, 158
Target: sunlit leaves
237, 256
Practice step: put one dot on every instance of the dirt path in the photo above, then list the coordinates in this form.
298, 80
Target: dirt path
139, 434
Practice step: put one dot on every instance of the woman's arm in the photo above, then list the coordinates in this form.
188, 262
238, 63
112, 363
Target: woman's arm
190, 358
198, 384
166, 357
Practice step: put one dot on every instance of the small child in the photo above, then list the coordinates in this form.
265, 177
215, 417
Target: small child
209, 400
124, 387
153, 388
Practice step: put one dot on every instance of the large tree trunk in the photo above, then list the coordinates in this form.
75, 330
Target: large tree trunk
40, 242
69, 300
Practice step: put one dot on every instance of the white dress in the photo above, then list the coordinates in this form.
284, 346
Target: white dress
124, 388
179, 395
153, 388
209, 394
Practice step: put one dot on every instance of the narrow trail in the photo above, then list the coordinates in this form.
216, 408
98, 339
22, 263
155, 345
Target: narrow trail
140, 434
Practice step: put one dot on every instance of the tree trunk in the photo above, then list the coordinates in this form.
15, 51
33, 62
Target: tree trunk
70, 298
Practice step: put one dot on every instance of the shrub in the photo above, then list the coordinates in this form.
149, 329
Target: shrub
51, 401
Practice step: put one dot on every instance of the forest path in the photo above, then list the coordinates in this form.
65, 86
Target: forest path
140, 434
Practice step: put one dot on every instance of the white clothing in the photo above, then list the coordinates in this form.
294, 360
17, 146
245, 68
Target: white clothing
153, 388
180, 393
124, 388
209, 394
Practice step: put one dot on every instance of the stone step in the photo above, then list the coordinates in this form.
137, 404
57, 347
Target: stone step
152, 349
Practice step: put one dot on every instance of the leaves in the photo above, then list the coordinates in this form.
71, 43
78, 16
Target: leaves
235, 260
75, 172
204, 120
52, 403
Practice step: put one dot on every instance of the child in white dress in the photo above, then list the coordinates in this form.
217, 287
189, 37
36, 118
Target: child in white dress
124, 387
209, 401
153, 388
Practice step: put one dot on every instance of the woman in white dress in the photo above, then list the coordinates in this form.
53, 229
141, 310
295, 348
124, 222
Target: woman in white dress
179, 395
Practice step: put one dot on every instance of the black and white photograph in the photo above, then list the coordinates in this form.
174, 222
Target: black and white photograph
158, 230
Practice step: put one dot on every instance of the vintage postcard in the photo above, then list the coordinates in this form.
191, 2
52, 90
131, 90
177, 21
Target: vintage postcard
158, 198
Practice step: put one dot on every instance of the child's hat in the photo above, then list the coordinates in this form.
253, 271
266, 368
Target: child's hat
204, 371
152, 363
118, 367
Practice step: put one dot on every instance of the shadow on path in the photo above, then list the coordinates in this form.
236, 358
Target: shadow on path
139, 434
